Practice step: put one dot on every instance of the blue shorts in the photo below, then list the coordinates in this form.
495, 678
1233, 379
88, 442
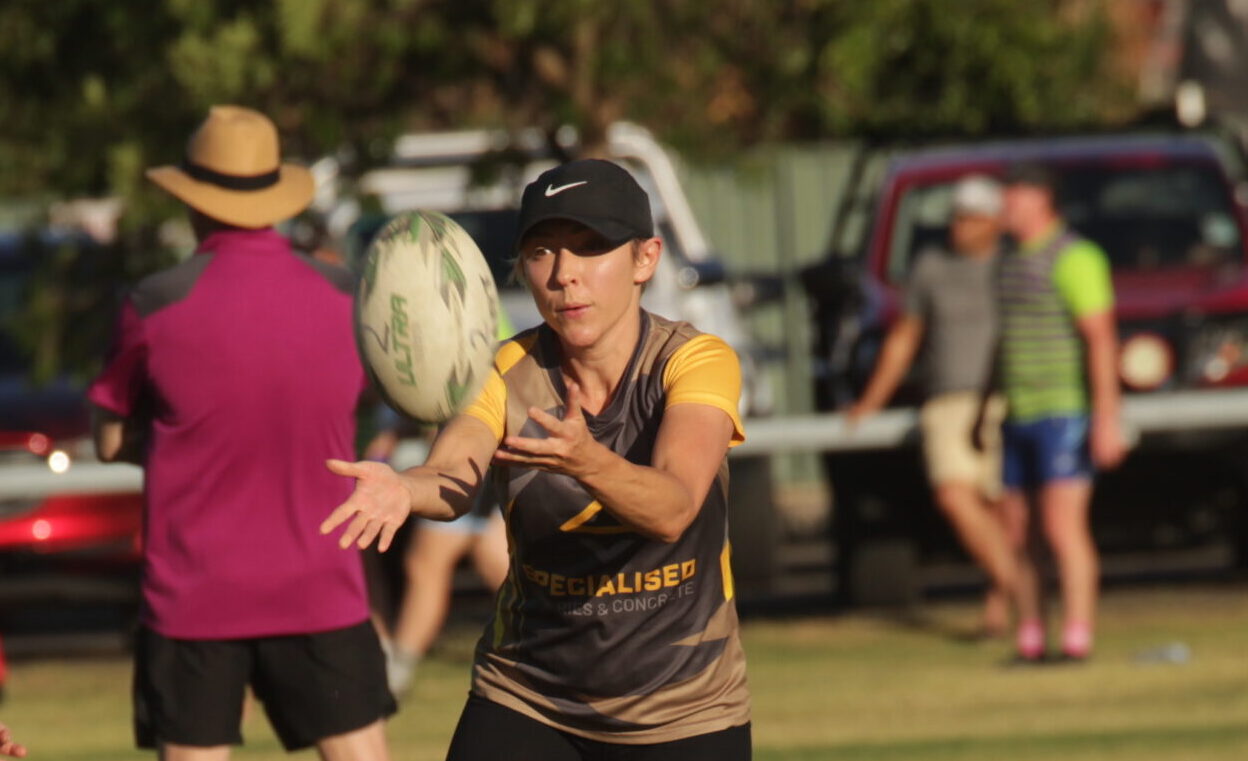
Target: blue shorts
1047, 450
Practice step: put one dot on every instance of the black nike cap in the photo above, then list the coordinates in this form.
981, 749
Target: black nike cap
599, 194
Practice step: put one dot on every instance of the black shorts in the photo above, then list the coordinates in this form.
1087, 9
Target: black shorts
313, 686
488, 731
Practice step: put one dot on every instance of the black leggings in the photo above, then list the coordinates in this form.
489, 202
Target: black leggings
489, 732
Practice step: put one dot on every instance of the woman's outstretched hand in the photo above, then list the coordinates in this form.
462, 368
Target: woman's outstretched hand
382, 500
569, 448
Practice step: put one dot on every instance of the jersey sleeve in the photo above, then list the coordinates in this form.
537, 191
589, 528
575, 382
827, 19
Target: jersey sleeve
118, 386
706, 371
490, 406
1083, 279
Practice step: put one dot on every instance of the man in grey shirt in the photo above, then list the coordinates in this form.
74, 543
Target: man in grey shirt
951, 298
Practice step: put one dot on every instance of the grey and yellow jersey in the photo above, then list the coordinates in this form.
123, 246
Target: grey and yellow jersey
600, 631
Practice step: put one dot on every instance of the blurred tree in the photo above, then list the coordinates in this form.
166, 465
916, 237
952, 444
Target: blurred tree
93, 91
66, 302
712, 76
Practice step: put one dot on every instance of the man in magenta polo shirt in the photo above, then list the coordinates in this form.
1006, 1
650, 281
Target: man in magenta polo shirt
238, 370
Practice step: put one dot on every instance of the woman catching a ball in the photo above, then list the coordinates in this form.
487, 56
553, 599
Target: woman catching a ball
615, 634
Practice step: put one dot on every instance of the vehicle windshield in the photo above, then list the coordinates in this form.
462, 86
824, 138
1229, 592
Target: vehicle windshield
1146, 218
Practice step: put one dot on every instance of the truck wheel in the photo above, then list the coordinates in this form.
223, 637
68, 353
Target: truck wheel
1239, 528
873, 565
753, 526
885, 573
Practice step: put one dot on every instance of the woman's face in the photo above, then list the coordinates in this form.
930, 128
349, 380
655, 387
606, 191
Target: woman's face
584, 288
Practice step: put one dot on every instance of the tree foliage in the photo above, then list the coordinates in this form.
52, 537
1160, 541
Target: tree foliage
94, 91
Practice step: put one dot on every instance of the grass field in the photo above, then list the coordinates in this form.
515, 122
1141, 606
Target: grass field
857, 686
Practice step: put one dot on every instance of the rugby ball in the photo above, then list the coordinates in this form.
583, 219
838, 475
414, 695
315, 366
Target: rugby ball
426, 316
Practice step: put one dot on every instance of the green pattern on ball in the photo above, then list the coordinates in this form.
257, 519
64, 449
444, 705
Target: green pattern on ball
391, 341
452, 275
437, 223
456, 389
413, 229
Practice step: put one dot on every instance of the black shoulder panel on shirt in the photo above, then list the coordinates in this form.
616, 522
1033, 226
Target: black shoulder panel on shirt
157, 291
340, 277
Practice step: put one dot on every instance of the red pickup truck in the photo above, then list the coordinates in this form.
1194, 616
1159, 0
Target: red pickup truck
1168, 212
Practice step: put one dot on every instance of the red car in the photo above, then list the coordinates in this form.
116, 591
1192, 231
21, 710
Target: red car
68, 561
74, 529
63, 548
45, 424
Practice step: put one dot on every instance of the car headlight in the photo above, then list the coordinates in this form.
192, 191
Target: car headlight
1219, 351
1145, 361
58, 461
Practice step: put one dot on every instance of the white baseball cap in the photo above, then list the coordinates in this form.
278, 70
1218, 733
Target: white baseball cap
977, 194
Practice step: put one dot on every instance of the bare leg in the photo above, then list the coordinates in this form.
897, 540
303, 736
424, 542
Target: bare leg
1065, 509
171, 752
489, 553
996, 614
981, 533
999, 601
365, 744
1015, 516
430, 563
380, 611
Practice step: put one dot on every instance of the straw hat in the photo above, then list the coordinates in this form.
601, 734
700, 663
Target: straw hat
233, 171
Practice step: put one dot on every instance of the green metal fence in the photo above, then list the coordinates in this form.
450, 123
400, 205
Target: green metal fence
772, 211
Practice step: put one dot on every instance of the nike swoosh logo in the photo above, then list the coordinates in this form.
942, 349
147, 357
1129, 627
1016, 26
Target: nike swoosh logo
551, 190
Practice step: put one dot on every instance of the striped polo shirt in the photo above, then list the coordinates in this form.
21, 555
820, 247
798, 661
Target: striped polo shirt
1044, 289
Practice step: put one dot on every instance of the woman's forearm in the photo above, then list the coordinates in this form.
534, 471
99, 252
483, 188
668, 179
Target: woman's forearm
445, 487
435, 494
648, 500
895, 360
